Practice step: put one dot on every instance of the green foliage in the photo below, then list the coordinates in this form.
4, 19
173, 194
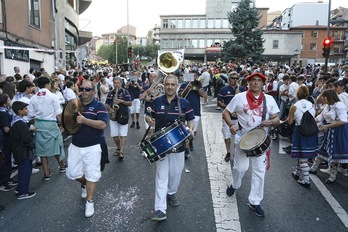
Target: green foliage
247, 42
108, 52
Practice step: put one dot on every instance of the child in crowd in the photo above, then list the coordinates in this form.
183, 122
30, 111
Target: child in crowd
22, 146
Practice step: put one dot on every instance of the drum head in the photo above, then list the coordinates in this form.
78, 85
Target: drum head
252, 139
69, 115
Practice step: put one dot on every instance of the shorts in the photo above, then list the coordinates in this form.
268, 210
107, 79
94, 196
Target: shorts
226, 130
195, 123
135, 107
84, 161
117, 129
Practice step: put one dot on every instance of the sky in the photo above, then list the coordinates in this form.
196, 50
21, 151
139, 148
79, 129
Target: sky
106, 16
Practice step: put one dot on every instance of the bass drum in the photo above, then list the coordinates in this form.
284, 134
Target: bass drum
255, 142
164, 141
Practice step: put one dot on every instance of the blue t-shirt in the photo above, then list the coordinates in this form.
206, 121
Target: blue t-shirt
193, 97
226, 94
89, 136
122, 94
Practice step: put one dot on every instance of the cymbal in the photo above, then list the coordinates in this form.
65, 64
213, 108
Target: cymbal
69, 115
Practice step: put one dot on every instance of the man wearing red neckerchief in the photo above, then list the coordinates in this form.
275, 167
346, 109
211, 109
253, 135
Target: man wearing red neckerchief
249, 107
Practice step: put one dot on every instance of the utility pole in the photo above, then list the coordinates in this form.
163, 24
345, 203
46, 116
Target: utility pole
328, 36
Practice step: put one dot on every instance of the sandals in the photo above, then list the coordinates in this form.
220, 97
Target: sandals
120, 156
117, 152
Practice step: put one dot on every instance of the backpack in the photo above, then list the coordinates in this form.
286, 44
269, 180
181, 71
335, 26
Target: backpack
308, 126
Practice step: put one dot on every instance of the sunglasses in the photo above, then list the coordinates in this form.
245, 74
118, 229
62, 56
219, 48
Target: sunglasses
85, 89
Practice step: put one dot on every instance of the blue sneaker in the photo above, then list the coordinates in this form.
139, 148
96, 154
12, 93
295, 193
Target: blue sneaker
159, 216
257, 209
230, 190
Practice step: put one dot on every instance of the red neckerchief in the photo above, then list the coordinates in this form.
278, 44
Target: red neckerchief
253, 101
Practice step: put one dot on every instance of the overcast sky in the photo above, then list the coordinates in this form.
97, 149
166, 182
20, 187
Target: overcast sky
106, 16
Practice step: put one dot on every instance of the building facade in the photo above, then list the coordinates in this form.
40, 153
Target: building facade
40, 34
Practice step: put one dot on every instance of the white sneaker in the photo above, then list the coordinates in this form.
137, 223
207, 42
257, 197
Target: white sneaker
326, 171
34, 171
83, 191
89, 211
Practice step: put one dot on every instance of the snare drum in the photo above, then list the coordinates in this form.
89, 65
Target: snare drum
164, 141
255, 142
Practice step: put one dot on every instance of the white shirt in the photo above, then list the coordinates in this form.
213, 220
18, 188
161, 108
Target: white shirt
281, 89
69, 94
247, 118
301, 107
204, 78
44, 105
331, 113
292, 90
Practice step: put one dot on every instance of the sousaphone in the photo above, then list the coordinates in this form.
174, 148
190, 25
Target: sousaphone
69, 115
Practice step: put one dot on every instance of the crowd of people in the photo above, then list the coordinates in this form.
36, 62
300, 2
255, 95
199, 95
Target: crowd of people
249, 95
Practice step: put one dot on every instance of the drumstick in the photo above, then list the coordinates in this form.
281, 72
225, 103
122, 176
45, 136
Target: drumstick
149, 110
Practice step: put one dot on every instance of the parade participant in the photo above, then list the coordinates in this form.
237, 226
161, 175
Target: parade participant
44, 107
192, 92
205, 79
225, 95
166, 109
284, 99
134, 88
303, 147
333, 122
22, 143
118, 129
249, 108
85, 150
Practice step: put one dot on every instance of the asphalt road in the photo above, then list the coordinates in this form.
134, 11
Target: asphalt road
125, 196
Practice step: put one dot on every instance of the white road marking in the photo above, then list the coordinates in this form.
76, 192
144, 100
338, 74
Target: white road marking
225, 208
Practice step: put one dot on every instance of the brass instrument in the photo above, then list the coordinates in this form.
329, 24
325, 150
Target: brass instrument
157, 88
115, 107
195, 86
69, 115
168, 62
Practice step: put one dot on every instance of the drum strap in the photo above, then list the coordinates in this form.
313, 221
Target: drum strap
264, 109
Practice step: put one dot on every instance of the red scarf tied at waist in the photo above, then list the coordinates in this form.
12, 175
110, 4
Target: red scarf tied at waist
253, 101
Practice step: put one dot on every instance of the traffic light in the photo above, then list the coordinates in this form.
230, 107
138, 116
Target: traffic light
326, 48
130, 52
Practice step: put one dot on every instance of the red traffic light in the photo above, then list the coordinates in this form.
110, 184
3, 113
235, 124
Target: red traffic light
327, 42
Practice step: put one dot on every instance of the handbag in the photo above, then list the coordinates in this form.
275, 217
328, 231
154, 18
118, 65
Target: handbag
122, 117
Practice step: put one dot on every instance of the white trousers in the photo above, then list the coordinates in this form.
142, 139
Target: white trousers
241, 165
168, 175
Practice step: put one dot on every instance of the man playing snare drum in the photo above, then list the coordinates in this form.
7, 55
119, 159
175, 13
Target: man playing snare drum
249, 108
165, 111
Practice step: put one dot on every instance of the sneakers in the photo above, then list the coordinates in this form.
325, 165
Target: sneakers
47, 176
227, 157
230, 191
12, 183
159, 216
295, 176
326, 171
89, 211
62, 169
5, 188
83, 191
343, 171
34, 171
304, 183
257, 209
138, 125
132, 125
173, 200
187, 153
26, 196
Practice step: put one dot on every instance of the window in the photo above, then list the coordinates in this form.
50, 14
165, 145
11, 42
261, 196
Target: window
218, 23
209, 42
195, 23
187, 23
201, 43
172, 23
180, 23
314, 34
275, 44
202, 23
312, 47
210, 23
34, 13
165, 23
194, 43
336, 49
225, 23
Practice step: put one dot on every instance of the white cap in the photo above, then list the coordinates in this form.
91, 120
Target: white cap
25, 100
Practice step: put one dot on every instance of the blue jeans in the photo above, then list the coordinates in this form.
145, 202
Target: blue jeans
5, 166
24, 175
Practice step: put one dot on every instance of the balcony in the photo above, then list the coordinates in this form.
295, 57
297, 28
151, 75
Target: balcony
83, 5
346, 44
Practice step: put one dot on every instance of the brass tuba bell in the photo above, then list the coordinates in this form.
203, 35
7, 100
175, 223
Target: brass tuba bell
168, 62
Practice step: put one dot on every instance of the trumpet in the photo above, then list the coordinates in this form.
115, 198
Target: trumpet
168, 62
194, 85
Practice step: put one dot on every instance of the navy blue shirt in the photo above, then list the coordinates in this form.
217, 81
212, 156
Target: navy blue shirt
159, 106
89, 136
122, 94
193, 97
134, 91
5, 121
226, 94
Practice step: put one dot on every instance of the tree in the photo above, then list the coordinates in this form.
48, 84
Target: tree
247, 42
